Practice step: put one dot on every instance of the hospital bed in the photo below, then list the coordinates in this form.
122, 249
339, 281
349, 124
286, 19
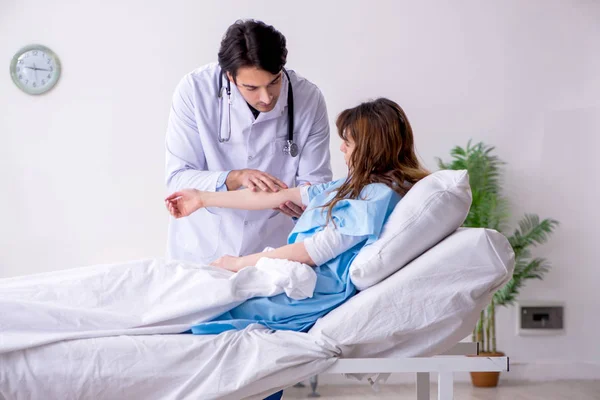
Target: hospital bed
409, 321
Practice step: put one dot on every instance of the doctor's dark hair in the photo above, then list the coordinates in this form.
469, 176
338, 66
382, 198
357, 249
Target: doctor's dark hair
252, 43
383, 153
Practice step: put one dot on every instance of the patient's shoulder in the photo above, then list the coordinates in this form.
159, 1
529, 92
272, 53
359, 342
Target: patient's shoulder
323, 188
374, 191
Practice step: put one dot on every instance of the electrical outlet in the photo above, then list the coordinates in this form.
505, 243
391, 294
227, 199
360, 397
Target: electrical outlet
540, 318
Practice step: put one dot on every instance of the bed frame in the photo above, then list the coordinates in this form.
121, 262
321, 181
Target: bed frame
454, 360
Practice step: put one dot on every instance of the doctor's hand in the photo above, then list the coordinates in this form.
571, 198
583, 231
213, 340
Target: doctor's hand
184, 202
254, 180
292, 209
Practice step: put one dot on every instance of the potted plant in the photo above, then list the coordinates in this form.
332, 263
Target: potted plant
489, 209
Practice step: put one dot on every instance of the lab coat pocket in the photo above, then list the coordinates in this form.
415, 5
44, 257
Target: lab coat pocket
199, 235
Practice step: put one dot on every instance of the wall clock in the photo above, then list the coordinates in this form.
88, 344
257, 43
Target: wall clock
35, 69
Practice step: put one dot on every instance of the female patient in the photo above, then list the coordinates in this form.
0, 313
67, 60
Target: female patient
341, 217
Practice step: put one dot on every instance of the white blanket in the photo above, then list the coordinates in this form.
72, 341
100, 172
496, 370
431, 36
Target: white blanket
252, 363
135, 298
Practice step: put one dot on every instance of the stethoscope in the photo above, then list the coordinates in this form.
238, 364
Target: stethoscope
290, 147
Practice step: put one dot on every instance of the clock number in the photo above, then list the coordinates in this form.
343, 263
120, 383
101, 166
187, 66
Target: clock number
26, 81
43, 81
34, 84
35, 52
20, 61
51, 68
20, 76
48, 61
49, 76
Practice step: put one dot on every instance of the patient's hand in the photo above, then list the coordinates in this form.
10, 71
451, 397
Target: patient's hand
230, 263
183, 203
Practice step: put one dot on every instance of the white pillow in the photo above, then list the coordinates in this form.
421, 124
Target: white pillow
431, 210
427, 307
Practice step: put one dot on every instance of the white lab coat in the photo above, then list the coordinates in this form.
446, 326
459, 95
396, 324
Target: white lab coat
196, 159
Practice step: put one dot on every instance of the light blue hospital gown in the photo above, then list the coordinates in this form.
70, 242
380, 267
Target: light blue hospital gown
352, 217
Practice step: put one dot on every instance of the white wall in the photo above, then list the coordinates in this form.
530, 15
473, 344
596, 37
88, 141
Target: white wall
82, 167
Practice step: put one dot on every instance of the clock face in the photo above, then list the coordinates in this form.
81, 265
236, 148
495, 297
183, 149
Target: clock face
35, 69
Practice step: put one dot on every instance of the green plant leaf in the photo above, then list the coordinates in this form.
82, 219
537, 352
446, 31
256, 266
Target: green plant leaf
489, 209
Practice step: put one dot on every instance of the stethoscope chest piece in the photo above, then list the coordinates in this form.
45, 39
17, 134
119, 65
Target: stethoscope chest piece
290, 148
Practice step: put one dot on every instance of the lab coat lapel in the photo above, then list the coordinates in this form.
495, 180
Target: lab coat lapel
240, 108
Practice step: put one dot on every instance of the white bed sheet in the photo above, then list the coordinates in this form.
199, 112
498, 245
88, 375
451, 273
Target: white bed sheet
422, 310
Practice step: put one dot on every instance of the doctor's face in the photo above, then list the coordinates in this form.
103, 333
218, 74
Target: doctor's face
260, 88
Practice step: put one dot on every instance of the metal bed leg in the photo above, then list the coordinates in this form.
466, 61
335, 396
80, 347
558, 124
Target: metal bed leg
422, 385
314, 381
446, 386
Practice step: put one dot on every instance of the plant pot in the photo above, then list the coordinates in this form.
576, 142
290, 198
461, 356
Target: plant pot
486, 379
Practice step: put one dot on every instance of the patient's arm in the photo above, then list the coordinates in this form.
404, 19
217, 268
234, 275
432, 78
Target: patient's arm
315, 250
293, 252
183, 203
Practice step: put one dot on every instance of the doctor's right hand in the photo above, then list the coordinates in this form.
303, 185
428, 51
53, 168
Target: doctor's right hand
184, 202
254, 180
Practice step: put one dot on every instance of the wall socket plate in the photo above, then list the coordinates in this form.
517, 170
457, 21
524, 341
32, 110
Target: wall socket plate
540, 318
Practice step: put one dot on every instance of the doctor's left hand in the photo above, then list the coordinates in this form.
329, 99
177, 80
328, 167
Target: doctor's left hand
292, 209
184, 202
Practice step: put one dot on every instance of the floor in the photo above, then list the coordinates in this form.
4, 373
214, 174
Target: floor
510, 390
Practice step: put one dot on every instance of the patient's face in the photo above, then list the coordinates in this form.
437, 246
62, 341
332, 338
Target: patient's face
347, 148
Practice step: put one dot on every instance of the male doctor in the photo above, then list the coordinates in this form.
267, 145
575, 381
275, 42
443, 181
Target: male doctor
230, 128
